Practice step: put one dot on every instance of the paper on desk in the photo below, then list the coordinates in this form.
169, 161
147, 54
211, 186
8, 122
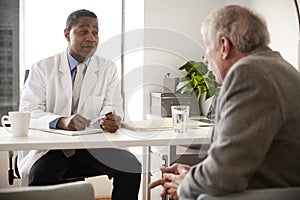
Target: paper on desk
74, 133
157, 124
203, 122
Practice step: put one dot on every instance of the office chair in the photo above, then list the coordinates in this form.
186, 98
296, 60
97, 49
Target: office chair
13, 173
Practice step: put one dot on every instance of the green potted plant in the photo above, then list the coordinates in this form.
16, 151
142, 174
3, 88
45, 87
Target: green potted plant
198, 79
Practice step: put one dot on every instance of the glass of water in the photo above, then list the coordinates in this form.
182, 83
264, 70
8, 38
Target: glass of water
180, 117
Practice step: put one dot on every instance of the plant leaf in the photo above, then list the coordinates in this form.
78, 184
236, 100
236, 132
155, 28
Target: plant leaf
198, 79
187, 89
182, 84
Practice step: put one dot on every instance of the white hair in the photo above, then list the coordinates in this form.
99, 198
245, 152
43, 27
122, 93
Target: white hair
243, 27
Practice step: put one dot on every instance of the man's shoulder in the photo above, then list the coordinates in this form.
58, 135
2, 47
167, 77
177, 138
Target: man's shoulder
52, 58
51, 63
100, 59
102, 62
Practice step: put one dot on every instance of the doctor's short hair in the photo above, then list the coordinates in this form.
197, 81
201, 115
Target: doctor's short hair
244, 28
72, 19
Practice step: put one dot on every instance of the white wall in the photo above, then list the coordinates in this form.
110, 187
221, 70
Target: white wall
283, 26
133, 59
238, 2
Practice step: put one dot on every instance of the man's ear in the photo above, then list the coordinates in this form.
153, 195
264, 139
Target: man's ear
67, 34
226, 47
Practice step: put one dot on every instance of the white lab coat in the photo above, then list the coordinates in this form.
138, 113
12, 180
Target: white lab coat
47, 95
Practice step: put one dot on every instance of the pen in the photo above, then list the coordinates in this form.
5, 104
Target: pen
206, 125
99, 118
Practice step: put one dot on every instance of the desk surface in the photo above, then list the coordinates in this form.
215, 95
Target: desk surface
39, 140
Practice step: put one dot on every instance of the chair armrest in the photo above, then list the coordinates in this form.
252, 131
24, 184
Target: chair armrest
291, 193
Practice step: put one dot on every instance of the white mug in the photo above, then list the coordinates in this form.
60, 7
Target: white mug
19, 122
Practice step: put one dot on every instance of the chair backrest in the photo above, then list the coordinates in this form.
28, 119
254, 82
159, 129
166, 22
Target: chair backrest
75, 191
26, 75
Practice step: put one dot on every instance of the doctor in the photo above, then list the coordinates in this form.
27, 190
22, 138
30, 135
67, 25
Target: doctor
49, 94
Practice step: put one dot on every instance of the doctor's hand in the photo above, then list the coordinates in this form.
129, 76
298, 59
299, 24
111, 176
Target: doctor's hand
73, 123
172, 177
111, 122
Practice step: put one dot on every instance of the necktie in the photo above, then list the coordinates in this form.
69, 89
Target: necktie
77, 87
75, 98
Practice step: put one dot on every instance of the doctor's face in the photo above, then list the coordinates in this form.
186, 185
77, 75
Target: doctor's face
83, 38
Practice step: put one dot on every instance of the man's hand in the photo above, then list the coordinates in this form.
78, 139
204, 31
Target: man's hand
73, 123
172, 177
111, 122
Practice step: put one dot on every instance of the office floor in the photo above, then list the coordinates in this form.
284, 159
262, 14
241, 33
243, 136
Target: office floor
103, 198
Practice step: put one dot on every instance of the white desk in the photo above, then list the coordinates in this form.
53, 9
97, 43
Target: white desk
122, 138
39, 140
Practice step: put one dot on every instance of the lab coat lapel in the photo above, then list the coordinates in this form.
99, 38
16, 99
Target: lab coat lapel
64, 75
89, 82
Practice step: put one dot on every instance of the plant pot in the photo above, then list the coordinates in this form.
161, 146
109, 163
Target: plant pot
205, 104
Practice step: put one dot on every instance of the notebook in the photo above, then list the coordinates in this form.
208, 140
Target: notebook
74, 133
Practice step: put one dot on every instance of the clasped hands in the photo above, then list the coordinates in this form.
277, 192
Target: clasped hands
172, 177
77, 122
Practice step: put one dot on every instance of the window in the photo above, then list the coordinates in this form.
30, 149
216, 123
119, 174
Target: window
9, 56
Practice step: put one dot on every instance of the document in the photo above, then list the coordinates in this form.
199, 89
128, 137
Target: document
150, 125
74, 133
147, 125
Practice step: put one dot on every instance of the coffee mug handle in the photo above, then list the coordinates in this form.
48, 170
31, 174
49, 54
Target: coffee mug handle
4, 121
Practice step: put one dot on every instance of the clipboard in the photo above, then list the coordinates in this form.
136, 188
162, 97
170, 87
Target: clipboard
74, 133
